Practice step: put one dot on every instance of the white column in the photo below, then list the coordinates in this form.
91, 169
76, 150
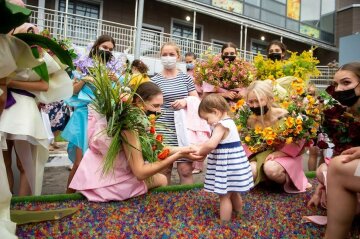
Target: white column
66, 18
245, 43
194, 29
138, 29
241, 38
41, 15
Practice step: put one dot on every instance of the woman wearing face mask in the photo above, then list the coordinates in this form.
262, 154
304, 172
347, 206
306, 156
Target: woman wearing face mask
176, 87
346, 90
228, 54
284, 165
190, 59
131, 175
276, 50
75, 131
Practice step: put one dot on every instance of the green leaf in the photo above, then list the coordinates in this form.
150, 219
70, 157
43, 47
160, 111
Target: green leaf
41, 69
44, 42
12, 16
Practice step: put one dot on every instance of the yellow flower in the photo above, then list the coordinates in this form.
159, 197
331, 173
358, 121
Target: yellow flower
298, 120
258, 129
313, 130
238, 127
240, 103
299, 90
285, 104
290, 122
316, 111
289, 140
299, 128
247, 138
233, 109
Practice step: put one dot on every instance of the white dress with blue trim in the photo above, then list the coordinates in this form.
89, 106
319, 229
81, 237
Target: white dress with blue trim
228, 168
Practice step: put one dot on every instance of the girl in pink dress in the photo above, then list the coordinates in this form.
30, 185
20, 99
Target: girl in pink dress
131, 176
284, 165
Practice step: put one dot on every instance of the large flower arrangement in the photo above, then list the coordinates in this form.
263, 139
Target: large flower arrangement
224, 74
114, 101
298, 65
301, 123
342, 127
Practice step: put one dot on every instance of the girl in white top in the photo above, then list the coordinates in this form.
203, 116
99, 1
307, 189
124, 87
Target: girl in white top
228, 169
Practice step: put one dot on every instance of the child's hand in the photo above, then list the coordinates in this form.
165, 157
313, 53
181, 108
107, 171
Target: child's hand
190, 153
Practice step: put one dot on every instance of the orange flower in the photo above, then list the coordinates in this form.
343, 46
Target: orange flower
269, 142
152, 130
163, 154
159, 137
240, 103
154, 147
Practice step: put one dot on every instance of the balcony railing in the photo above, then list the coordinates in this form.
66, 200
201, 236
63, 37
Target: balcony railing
84, 30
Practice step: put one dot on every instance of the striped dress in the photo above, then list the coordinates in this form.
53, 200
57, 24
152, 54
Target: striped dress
228, 168
173, 89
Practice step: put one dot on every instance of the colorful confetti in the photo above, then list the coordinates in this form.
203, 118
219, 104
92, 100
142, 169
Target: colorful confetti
268, 213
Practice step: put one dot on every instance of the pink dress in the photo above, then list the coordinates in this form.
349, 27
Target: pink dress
119, 184
296, 180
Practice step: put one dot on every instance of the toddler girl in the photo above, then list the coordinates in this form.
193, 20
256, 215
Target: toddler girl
228, 170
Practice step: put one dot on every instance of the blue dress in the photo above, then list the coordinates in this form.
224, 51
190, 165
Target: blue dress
75, 131
228, 168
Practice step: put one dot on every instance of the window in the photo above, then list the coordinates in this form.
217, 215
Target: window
274, 7
79, 28
273, 18
251, 11
310, 12
257, 46
292, 25
253, 2
186, 31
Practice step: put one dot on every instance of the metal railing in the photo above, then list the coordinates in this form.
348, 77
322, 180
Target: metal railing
83, 30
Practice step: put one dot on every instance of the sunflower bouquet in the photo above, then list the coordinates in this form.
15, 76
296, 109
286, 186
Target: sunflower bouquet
301, 123
114, 101
302, 66
224, 74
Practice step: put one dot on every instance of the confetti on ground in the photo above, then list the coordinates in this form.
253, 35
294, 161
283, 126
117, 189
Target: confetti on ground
268, 213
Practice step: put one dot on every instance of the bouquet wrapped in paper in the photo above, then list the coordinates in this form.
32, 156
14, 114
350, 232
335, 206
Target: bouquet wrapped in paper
301, 123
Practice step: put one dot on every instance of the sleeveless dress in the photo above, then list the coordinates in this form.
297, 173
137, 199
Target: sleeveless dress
228, 168
119, 184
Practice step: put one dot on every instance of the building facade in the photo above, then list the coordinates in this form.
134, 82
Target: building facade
199, 24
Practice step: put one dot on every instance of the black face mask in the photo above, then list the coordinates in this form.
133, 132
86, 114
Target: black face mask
229, 58
150, 112
346, 97
105, 55
274, 56
257, 110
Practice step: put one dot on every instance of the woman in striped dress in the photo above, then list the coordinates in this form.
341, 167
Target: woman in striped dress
228, 170
175, 86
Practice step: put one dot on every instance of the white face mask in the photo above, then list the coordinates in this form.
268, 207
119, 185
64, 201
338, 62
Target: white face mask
169, 62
